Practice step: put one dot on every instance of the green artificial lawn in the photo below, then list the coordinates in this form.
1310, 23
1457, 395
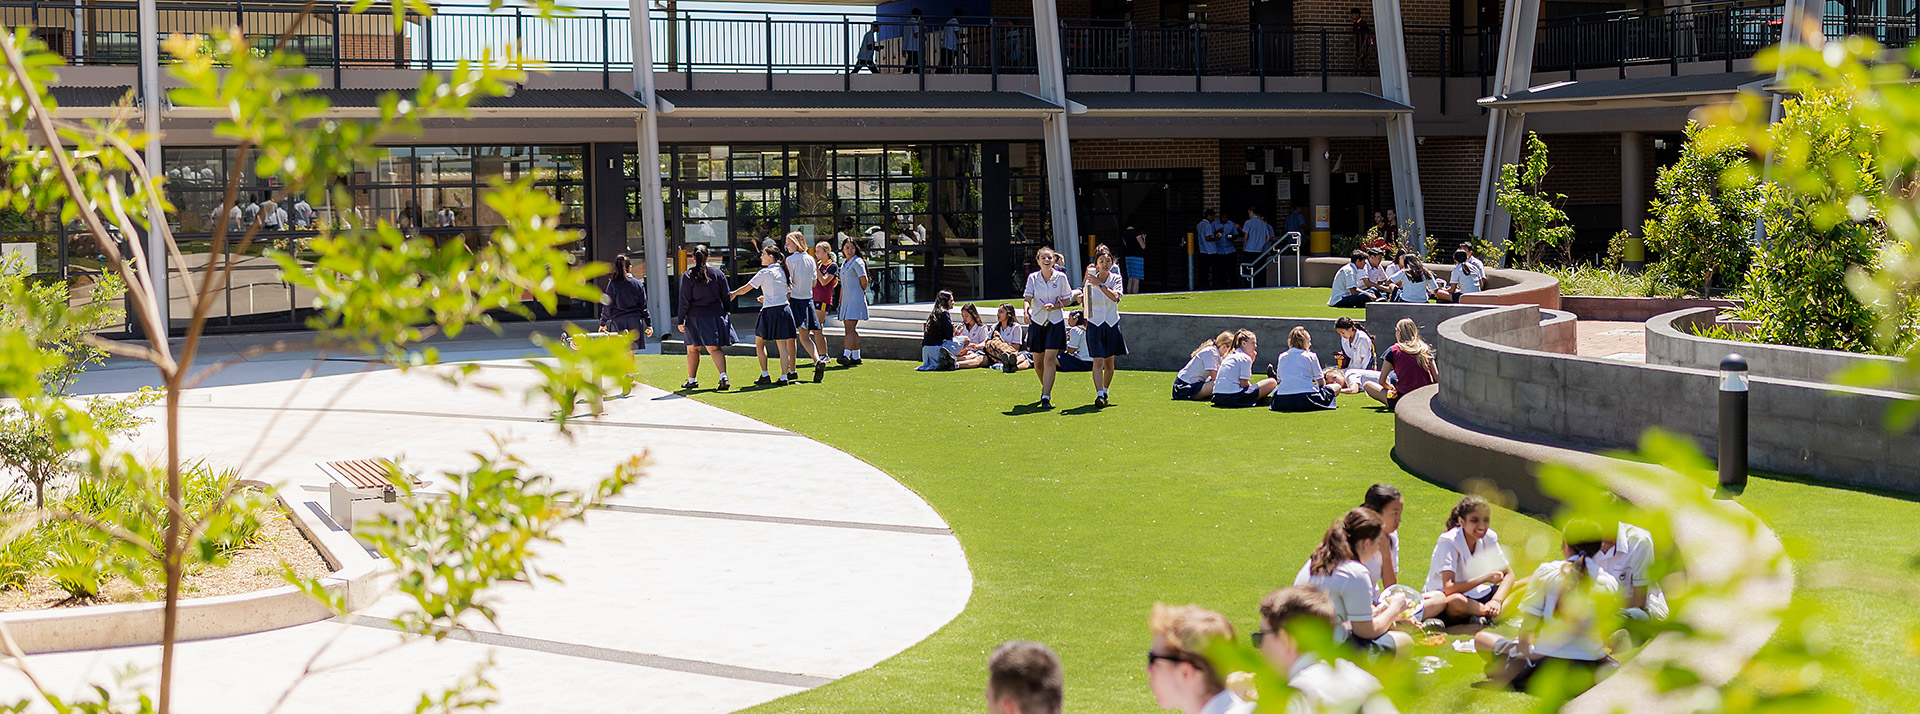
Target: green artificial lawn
1267, 302
1154, 500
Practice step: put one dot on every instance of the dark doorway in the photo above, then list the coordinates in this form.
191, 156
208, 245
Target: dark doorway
1165, 203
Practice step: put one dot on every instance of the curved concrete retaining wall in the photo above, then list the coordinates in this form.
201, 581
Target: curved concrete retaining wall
1437, 446
1495, 373
1670, 341
356, 578
1632, 309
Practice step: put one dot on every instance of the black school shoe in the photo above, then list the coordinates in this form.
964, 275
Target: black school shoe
792, 377
763, 381
819, 371
724, 384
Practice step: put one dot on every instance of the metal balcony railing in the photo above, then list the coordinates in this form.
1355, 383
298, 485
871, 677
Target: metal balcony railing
1722, 32
1149, 47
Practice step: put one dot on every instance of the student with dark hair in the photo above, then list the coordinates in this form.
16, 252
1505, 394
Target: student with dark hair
1468, 277
1233, 385
1563, 600
1298, 373
1104, 288
1348, 290
1024, 678
1006, 342
623, 304
853, 298
1385, 500
703, 316
935, 334
1416, 282
806, 275
1178, 671
971, 337
776, 313
1320, 683
1074, 357
1356, 346
1338, 568
1468, 577
1627, 553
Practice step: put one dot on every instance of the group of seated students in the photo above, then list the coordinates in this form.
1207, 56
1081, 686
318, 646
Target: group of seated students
1369, 277
1221, 370
1346, 604
1000, 346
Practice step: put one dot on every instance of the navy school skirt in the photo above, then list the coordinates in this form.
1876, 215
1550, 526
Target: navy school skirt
776, 323
710, 332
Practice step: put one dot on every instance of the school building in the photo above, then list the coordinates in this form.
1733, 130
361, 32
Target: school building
954, 136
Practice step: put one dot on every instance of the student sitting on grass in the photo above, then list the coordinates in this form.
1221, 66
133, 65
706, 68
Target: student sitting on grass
971, 338
1468, 578
935, 334
1319, 684
1338, 568
1178, 672
1386, 501
1356, 345
1627, 554
1409, 365
1562, 601
1233, 384
1006, 345
1024, 678
1074, 357
1195, 380
1298, 370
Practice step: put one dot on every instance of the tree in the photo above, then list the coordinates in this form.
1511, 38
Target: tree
1703, 220
375, 289
1538, 223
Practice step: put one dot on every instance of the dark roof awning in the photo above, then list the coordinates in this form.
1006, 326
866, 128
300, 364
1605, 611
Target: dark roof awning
857, 103
1237, 103
1632, 93
89, 102
574, 103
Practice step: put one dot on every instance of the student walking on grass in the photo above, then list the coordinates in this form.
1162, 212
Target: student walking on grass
1338, 568
776, 315
1104, 287
1233, 385
806, 275
1468, 578
853, 298
1047, 295
704, 296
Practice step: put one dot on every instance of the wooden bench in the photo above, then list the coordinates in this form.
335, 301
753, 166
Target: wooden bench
361, 489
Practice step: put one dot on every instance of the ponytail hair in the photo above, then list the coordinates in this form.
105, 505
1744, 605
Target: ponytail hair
1241, 337
943, 302
1220, 343
1467, 506
1583, 541
779, 258
621, 265
1343, 539
698, 270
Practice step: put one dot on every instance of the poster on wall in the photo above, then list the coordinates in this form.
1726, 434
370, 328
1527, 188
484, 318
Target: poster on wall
26, 254
1283, 191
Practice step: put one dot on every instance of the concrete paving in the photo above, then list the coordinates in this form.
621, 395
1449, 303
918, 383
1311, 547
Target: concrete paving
748, 564
1621, 341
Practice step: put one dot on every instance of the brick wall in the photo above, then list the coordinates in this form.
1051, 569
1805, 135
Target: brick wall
377, 49
1203, 154
1450, 182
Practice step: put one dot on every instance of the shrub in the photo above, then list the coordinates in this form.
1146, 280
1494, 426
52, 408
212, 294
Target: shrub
1604, 282
1539, 226
1702, 222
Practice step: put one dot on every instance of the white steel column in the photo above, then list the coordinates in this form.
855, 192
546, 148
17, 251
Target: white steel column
150, 101
1053, 88
652, 209
1513, 72
1402, 153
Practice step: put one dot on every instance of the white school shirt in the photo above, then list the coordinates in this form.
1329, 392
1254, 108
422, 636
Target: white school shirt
976, 335
1234, 367
1359, 350
1411, 291
1468, 282
1373, 563
1562, 639
1207, 360
1630, 561
1100, 310
1258, 234
1296, 369
772, 284
1041, 291
1015, 334
1350, 587
1321, 688
1377, 273
1077, 340
1344, 283
1450, 553
801, 265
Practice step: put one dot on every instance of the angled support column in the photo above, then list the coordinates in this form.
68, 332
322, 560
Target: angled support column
1513, 72
1053, 88
1402, 156
652, 209
150, 102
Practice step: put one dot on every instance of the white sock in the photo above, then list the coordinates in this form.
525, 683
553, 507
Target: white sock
856, 354
763, 373
723, 375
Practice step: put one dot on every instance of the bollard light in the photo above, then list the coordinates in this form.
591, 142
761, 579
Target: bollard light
1733, 425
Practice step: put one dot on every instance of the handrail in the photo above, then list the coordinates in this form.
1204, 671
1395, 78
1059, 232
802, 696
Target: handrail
1252, 268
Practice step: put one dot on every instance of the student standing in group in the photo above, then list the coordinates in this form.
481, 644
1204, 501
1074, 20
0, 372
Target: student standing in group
853, 299
825, 287
704, 297
1338, 568
1048, 293
1320, 682
1259, 235
1104, 288
1233, 385
1356, 346
1468, 577
776, 313
1203, 235
1411, 358
1134, 245
1296, 222
806, 277
1024, 678
935, 334
1347, 288
1178, 671
1298, 372
623, 308
1195, 380
1563, 594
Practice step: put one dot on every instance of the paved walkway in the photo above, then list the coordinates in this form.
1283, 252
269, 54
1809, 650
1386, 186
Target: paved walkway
749, 563
1624, 341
